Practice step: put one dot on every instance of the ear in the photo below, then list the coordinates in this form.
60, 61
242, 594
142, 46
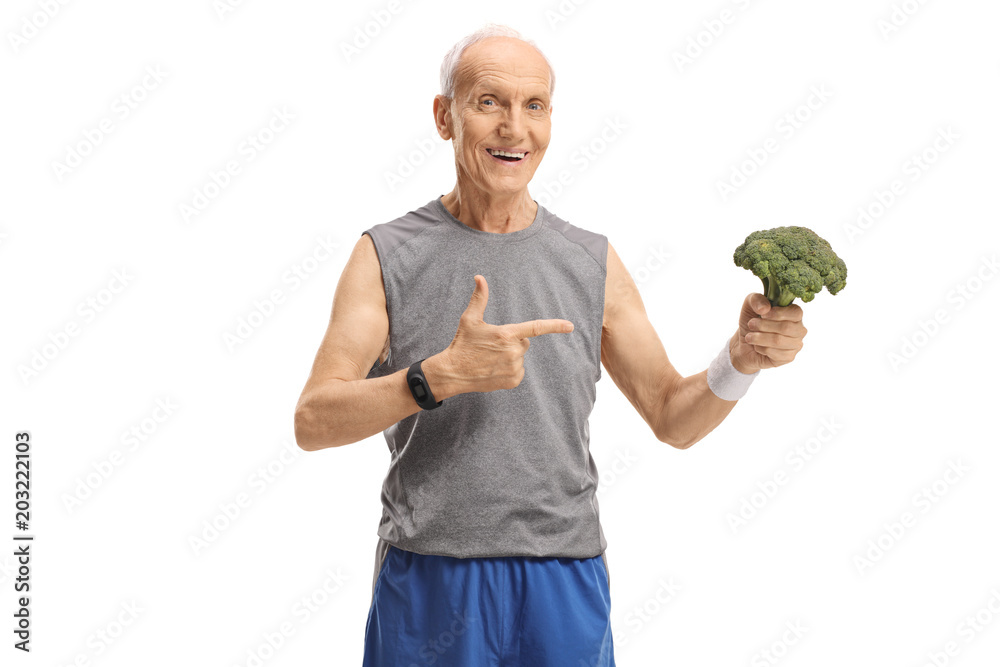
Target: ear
442, 116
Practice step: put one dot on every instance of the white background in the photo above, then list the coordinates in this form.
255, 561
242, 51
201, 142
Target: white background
894, 425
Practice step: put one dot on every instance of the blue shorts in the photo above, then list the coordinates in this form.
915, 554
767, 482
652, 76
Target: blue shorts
489, 612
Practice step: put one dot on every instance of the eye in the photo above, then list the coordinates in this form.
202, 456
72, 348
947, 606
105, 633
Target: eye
536, 104
487, 100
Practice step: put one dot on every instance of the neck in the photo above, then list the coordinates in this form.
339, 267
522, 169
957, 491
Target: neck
490, 213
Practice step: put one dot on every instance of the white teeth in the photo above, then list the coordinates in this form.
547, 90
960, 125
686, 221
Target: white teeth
506, 154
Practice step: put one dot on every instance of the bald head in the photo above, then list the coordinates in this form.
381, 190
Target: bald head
450, 64
509, 55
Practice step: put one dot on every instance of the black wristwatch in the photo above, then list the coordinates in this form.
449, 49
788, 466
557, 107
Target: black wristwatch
418, 387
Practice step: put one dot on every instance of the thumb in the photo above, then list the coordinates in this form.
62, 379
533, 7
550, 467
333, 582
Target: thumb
759, 303
477, 304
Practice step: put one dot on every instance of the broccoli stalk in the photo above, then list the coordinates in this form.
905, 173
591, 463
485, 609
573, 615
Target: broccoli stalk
791, 262
776, 293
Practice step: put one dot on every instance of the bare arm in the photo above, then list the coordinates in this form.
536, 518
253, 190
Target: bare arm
340, 404
683, 410
680, 410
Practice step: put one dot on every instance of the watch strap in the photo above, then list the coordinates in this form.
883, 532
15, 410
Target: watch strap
419, 388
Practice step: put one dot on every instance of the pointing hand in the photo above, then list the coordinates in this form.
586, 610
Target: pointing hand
487, 356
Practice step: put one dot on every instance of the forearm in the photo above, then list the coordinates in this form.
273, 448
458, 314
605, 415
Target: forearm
690, 410
341, 412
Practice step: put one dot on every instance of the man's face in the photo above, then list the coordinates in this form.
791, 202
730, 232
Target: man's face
501, 102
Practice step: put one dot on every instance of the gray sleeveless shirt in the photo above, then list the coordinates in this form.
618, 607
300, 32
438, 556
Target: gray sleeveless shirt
505, 472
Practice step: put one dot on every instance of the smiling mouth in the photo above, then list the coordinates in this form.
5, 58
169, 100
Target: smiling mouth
507, 156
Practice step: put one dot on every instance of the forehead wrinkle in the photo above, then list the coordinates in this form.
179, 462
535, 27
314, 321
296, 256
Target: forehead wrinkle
474, 66
531, 88
506, 67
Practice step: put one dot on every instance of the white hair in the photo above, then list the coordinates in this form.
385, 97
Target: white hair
451, 59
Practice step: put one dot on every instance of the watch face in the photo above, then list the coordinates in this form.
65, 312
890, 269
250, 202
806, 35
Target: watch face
418, 390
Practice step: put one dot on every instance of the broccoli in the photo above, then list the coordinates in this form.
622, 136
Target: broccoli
791, 262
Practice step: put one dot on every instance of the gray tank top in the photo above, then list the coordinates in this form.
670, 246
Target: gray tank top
505, 472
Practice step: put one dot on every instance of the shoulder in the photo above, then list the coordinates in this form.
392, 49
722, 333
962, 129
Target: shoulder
594, 243
388, 236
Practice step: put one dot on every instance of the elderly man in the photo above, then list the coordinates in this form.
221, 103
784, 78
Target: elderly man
490, 548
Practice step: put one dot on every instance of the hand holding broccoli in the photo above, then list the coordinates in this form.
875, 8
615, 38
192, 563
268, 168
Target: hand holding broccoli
791, 262
768, 336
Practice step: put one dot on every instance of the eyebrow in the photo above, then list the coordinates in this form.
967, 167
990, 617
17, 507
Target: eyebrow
484, 88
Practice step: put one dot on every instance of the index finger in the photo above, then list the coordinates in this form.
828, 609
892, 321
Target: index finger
539, 327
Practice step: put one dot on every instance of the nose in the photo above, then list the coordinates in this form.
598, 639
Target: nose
512, 123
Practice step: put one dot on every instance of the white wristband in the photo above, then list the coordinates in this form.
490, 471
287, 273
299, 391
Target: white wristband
724, 380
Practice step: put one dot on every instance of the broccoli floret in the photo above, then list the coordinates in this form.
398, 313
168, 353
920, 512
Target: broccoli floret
791, 262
